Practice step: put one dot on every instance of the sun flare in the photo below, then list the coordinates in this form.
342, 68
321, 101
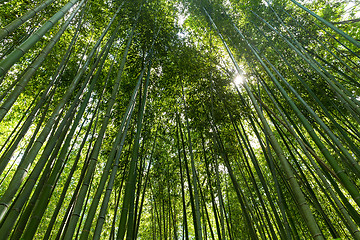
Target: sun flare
239, 80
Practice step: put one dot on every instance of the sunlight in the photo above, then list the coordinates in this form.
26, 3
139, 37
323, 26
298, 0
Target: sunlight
239, 80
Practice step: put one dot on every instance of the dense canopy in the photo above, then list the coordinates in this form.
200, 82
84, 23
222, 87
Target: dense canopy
187, 119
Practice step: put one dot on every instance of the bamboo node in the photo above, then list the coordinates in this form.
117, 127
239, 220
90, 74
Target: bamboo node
21, 19
4, 204
51, 21
76, 214
5, 29
317, 235
22, 50
37, 34
32, 10
338, 172
61, 10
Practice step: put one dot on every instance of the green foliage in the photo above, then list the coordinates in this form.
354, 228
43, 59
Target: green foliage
202, 146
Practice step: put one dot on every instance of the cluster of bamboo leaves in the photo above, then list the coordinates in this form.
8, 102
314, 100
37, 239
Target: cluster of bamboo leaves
121, 119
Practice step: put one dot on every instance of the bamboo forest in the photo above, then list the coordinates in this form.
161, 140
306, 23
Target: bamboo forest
180, 119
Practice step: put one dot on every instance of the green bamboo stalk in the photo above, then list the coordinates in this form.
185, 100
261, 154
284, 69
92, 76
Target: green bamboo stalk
116, 149
14, 44
8, 89
352, 227
10, 140
349, 125
247, 145
249, 215
251, 201
24, 215
127, 213
15, 55
79, 153
96, 149
20, 20
102, 212
332, 227
14, 211
302, 117
5, 107
38, 125
42, 203
270, 161
342, 175
340, 43
198, 232
140, 186
44, 97
114, 154
5, 158
328, 24
145, 188
337, 87
221, 202
304, 181
302, 203
349, 68
228, 217
220, 233
117, 201
207, 216
244, 205
185, 224
345, 76
218, 187
64, 223
29, 158
72, 170
312, 94
188, 177
340, 90
257, 217
316, 39
172, 210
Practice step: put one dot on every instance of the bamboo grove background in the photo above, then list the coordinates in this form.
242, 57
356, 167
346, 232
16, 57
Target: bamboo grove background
121, 119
